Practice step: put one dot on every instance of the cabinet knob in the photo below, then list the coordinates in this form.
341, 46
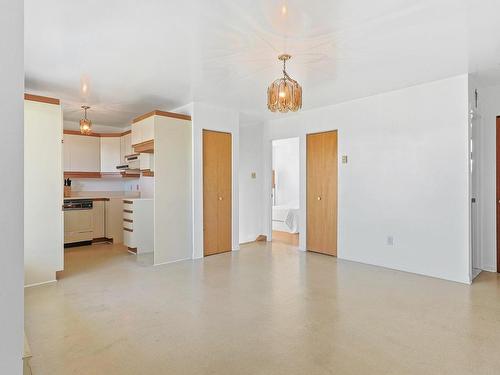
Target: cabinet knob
220, 198
319, 198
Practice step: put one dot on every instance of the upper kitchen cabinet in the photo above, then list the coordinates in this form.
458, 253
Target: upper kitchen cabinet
82, 153
143, 129
125, 146
110, 153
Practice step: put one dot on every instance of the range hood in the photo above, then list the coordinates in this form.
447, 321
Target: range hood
131, 163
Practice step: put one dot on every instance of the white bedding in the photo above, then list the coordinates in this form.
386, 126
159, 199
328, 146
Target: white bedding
286, 218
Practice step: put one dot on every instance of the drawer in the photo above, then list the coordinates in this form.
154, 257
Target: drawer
129, 239
128, 223
128, 214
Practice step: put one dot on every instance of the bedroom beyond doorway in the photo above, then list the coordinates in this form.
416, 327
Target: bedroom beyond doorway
285, 190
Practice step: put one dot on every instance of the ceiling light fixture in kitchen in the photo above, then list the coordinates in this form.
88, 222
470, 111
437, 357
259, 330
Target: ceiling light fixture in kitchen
85, 123
284, 94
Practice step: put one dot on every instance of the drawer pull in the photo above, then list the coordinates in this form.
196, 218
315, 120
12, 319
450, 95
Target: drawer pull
128, 220
128, 230
128, 211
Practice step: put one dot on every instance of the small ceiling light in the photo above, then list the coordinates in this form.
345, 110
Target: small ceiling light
85, 123
283, 9
284, 94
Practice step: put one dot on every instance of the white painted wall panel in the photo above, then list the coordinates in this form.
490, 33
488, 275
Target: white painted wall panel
11, 200
407, 176
43, 192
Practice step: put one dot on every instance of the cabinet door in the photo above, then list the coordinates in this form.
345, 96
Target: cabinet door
125, 146
148, 129
84, 153
110, 153
114, 219
66, 153
98, 219
136, 135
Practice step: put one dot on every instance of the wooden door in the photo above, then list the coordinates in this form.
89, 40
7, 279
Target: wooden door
498, 194
322, 192
217, 191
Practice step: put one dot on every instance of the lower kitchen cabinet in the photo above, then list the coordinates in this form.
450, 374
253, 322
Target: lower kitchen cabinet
98, 216
114, 217
138, 224
78, 226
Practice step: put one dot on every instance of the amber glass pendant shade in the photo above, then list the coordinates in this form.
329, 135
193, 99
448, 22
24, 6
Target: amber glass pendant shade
284, 94
85, 123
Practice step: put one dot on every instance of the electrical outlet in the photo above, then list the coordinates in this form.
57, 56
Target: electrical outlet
390, 241
344, 159
254, 175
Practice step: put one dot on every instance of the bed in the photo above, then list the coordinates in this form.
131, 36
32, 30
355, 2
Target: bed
286, 218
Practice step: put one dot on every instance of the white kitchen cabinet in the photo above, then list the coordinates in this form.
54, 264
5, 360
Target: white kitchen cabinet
125, 146
78, 226
143, 130
98, 219
114, 219
146, 162
81, 153
138, 224
110, 153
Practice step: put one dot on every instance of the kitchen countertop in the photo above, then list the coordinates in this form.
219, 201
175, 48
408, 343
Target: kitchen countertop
103, 195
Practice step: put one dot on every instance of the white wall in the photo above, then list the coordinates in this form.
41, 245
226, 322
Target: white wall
489, 108
286, 167
43, 192
11, 199
173, 220
250, 190
220, 119
407, 176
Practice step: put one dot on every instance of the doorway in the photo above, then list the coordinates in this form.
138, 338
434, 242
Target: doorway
217, 192
322, 188
285, 190
498, 190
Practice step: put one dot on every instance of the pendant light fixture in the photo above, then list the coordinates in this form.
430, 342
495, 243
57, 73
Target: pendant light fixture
284, 94
85, 123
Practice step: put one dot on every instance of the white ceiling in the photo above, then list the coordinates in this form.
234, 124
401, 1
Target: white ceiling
135, 56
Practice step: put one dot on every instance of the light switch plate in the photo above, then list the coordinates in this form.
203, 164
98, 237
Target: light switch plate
254, 175
344, 159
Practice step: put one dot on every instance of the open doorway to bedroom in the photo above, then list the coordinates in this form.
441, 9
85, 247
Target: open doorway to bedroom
285, 191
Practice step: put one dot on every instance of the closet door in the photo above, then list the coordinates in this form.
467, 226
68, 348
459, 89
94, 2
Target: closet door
322, 192
217, 190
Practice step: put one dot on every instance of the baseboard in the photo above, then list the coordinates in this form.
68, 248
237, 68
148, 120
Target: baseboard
489, 268
170, 262
42, 283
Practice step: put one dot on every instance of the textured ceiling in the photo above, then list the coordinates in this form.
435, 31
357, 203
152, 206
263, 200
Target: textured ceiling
125, 58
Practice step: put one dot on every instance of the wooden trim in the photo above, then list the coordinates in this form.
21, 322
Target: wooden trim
145, 147
76, 132
148, 173
102, 239
128, 211
41, 99
82, 174
100, 135
59, 275
128, 220
130, 175
111, 174
128, 229
128, 202
161, 113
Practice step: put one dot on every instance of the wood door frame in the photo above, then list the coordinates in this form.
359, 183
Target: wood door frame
306, 184
497, 204
203, 186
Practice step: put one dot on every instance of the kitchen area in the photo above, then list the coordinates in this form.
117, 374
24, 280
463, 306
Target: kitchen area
95, 190
108, 190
